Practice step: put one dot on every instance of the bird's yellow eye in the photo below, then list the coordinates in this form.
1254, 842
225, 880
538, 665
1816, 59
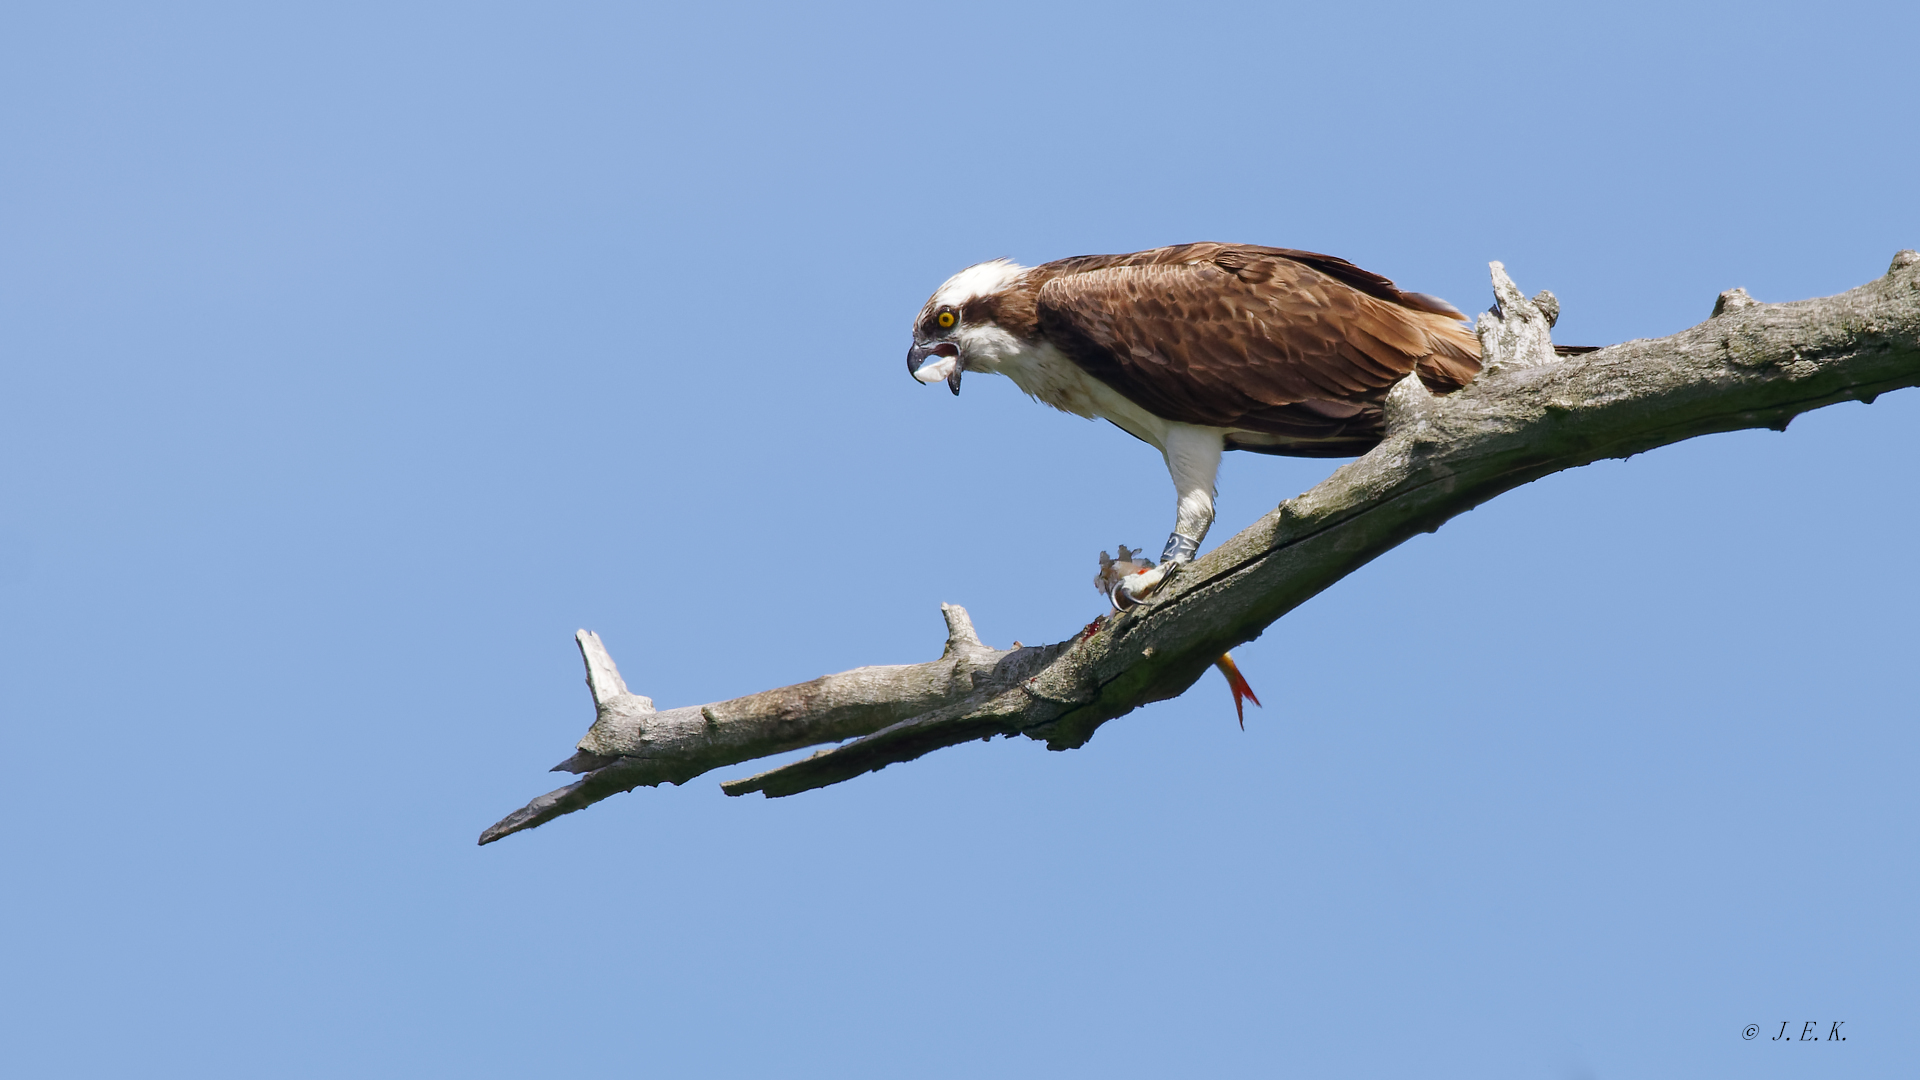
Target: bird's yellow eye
945, 319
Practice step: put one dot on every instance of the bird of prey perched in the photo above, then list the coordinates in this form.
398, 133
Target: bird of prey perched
1197, 349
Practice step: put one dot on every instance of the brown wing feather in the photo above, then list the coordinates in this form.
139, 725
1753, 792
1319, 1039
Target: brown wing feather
1243, 337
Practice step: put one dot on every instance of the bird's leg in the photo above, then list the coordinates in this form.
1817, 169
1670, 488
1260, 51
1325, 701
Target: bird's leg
1193, 459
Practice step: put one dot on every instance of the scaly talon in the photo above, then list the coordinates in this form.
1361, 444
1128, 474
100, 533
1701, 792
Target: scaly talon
1134, 589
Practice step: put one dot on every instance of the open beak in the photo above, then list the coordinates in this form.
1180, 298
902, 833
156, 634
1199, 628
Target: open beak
947, 367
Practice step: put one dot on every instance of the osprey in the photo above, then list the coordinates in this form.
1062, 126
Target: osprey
1198, 349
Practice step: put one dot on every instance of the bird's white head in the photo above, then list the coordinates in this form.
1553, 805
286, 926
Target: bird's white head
956, 323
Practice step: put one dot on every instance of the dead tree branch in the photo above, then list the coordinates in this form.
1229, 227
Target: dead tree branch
1529, 414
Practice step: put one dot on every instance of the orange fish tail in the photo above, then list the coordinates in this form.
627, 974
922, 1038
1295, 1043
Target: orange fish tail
1238, 684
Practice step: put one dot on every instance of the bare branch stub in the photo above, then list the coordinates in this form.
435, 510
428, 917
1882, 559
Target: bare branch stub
960, 633
1530, 414
1514, 332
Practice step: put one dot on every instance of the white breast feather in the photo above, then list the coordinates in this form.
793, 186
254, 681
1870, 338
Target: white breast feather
1048, 376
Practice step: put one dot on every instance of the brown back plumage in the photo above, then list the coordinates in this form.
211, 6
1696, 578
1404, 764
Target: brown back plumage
1290, 344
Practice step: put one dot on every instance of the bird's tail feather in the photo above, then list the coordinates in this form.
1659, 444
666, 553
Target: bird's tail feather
1455, 356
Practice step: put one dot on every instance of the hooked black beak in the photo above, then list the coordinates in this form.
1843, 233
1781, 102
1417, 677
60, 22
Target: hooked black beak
946, 350
919, 353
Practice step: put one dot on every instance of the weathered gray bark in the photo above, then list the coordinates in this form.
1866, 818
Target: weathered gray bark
1528, 414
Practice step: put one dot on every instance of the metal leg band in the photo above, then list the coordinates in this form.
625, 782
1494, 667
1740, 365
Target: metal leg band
1180, 548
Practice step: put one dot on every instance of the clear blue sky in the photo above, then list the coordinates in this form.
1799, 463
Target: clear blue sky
353, 356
